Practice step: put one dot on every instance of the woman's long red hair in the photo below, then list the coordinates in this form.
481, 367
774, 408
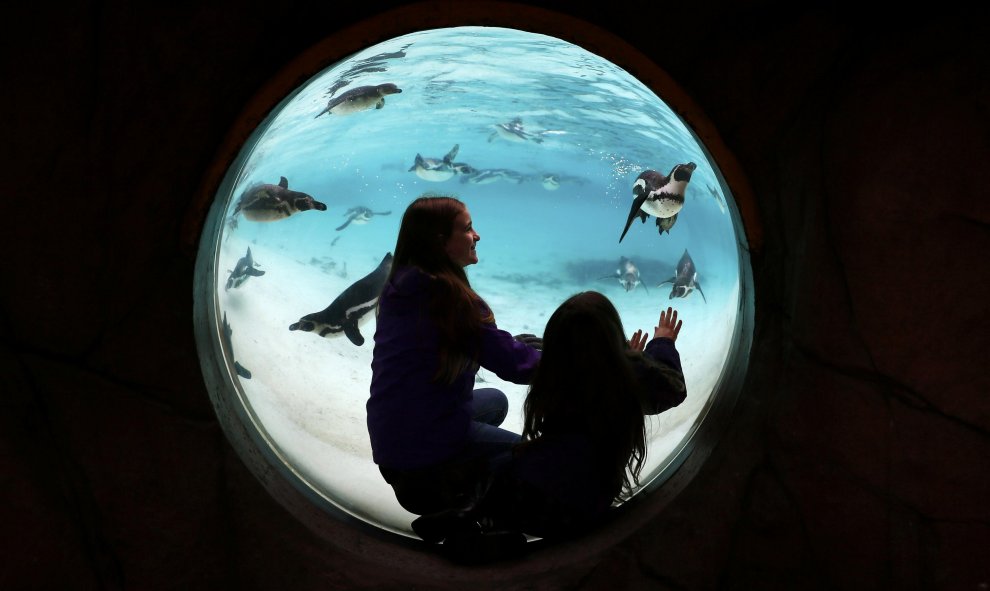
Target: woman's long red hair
458, 310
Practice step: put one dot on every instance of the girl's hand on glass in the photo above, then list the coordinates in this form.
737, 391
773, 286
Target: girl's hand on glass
669, 325
638, 341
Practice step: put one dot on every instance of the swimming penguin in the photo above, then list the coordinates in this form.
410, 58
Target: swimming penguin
360, 215
686, 279
658, 195
550, 182
269, 203
509, 176
627, 274
360, 99
350, 308
513, 131
431, 169
244, 268
464, 169
483, 176
487, 176
719, 199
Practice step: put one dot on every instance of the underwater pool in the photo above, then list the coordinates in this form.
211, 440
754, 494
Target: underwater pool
544, 141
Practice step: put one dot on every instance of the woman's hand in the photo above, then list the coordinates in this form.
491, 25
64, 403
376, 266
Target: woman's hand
638, 341
669, 325
530, 339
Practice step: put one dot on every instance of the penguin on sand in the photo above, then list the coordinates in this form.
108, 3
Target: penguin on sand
436, 170
658, 195
244, 268
227, 332
361, 98
268, 203
360, 215
685, 280
349, 309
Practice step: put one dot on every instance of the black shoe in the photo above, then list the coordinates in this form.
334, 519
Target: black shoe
437, 527
474, 548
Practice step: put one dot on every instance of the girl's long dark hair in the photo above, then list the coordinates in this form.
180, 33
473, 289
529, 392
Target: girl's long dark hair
586, 381
458, 311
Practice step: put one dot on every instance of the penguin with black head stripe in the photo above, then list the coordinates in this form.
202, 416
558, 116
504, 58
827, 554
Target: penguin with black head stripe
660, 196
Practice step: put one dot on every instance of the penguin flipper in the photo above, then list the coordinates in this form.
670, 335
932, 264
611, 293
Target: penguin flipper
666, 281
242, 371
352, 332
254, 272
698, 287
452, 154
344, 225
633, 212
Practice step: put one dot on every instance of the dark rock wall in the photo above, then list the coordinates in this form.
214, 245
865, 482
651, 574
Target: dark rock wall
858, 455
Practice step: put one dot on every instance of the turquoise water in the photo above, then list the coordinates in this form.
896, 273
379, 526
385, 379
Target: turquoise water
603, 127
598, 129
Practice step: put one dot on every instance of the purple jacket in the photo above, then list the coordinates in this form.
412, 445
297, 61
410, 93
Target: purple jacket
413, 421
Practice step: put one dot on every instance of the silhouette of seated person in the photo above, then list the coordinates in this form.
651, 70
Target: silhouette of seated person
434, 436
584, 437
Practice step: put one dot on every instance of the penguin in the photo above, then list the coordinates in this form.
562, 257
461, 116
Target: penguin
658, 195
510, 176
685, 280
349, 309
244, 268
359, 215
550, 182
269, 203
483, 176
238, 368
464, 169
627, 274
719, 199
431, 169
513, 131
358, 99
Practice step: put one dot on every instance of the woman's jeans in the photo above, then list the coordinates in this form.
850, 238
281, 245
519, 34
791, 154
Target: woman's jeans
460, 481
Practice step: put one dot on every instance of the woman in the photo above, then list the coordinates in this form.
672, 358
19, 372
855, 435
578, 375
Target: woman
435, 438
584, 436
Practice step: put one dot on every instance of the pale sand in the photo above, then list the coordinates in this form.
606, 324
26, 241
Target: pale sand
309, 393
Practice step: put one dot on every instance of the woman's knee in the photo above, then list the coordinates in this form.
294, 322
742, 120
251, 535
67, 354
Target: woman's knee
490, 406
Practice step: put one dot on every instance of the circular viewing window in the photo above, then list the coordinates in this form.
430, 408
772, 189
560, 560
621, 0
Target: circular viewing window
544, 141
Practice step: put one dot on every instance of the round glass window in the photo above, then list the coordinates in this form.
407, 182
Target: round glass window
560, 156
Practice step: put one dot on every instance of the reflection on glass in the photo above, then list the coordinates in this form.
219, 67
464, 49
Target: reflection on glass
547, 144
